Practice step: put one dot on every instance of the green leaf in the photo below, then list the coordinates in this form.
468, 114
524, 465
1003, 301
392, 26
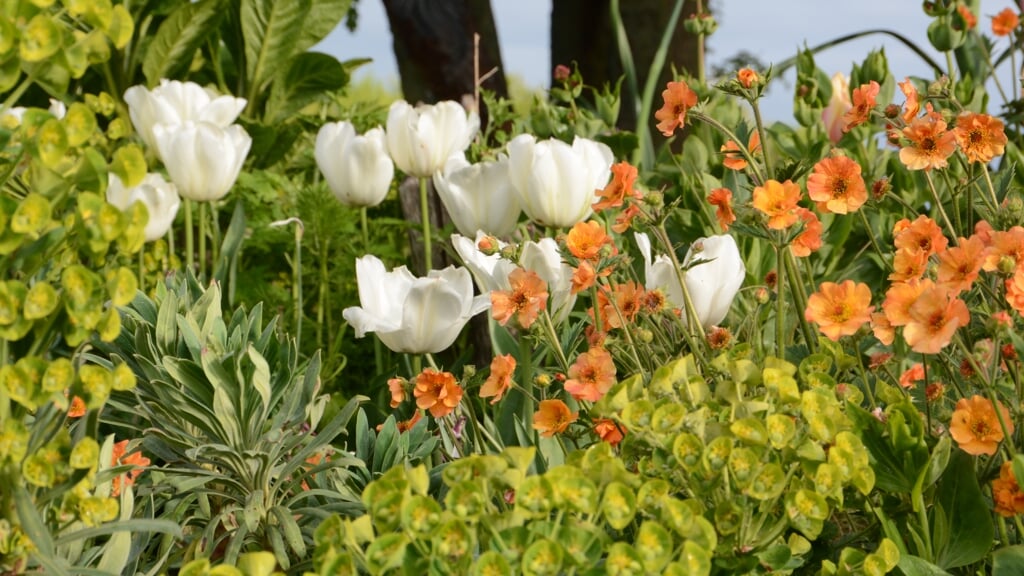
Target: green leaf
307, 77
230, 246
1008, 561
322, 19
915, 566
170, 53
271, 30
970, 525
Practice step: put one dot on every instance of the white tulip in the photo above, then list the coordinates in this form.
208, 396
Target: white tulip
544, 258
490, 270
478, 196
409, 314
202, 159
174, 102
159, 196
420, 140
357, 167
715, 272
556, 182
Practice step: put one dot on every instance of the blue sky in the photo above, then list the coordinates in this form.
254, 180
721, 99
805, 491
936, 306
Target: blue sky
772, 29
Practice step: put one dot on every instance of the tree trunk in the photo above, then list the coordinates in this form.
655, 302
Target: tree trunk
581, 31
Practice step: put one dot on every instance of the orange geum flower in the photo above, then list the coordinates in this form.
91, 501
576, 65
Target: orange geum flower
678, 99
981, 137
397, 388
622, 308
583, 277
1015, 291
77, 408
908, 265
1004, 22
863, 102
118, 458
809, 240
1007, 496
734, 159
882, 329
527, 297
746, 77
437, 392
975, 425
930, 144
912, 106
837, 185
619, 187
721, 199
923, 234
778, 201
839, 309
959, 265
500, 378
625, 218
552, 417
1003, 246
900, 297
586, 239
609, 430
591, 376
934, 317
913, 375
970, 20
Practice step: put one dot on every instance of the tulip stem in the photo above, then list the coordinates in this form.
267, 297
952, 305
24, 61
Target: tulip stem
297, 284
189, 258
526, 379
378, 350
692, 319
425, 217
202, 239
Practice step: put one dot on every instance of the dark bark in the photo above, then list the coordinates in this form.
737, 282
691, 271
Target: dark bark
581, 31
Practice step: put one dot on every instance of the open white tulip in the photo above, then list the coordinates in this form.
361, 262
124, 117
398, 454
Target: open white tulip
714, 274
159, 196
410, 314
202, 159
556, 182
420, 140
478, 196
357, 168
174, 102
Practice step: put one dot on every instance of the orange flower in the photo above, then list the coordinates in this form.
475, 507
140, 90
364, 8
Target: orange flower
678, 99
406, 425
621, 185
970, 21
930, 144
746, 77
591, 376
900, 297
923, 234
975, 425
810, 239
908, 265
734, 160
934, 317
863, 102
839, 309
627, 300
837, 185
552, 417
1006, 493
118, 458
437, 392
913, 375
1015, 291
980, 136
882, 329
500, 379
609, 431
625, 218
528, 296
77, 409
397, 388
1003, 245
1004, 22
721, 198
778, 202
912, 106
959, 265
586, 239
583, 277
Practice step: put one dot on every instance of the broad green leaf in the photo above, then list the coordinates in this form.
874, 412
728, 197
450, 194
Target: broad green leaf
307, 77
322, 18
271, 30
971, 532
1008, 561
170, 53
915, 566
